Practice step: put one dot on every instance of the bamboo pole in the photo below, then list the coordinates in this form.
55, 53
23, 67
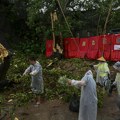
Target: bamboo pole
67, 23
53, 34
65, 18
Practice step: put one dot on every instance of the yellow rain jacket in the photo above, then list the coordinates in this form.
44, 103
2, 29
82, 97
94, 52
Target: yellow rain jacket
102, 71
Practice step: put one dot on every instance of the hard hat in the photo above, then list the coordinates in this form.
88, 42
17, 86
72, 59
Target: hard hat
101, 59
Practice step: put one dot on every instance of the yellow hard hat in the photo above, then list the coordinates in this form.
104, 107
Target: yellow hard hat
101, 59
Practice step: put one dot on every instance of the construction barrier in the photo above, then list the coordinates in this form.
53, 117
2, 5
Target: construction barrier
83, 47
115, 47
49, 48
71, 47
91, 48
105, 46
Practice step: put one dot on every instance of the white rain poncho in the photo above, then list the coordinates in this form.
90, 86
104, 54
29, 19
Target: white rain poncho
37, 80
117, 82
88, 99
117, 79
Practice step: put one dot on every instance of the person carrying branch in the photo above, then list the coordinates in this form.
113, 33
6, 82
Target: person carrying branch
88, 99
35, 70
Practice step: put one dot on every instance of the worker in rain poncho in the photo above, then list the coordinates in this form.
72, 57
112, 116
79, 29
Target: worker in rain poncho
88, 99
103, 72
35, 70
116, 83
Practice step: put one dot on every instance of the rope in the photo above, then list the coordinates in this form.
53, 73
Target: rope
68, 24
65, 18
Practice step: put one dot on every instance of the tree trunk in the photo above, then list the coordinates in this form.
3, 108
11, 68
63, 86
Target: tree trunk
107, 18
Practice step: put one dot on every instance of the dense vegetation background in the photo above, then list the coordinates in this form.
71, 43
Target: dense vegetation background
28, 21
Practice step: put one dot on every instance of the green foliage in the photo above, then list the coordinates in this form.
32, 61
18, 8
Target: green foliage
8, 108
1, 99
22, 98
29, 47
31, 22
100, 95
71, 68
17, 68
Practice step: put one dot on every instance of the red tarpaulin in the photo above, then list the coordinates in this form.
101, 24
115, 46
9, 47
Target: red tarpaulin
49, 48
105, 46
83, 47
71, 47
66, 44
115, 47
93, 47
